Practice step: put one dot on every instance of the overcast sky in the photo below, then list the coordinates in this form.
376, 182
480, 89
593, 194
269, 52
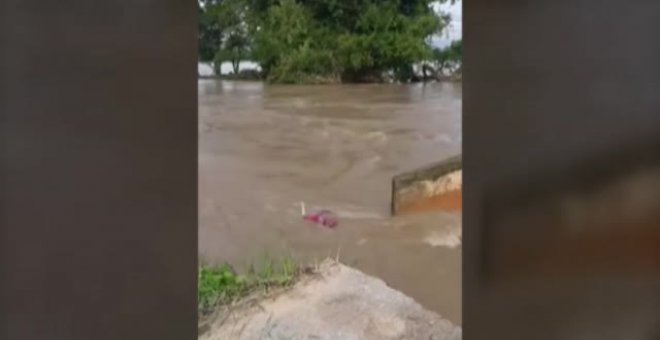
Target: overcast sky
454, 32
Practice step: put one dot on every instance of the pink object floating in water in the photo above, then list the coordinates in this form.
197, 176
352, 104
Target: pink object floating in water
324, 217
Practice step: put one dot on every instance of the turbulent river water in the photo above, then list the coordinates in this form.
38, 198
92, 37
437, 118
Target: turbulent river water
263, 149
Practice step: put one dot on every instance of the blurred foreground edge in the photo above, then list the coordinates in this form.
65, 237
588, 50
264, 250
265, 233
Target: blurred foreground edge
598, 217
574, 252
561, 158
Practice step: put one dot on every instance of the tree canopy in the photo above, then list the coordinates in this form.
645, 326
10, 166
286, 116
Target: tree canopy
311, 41
449, 57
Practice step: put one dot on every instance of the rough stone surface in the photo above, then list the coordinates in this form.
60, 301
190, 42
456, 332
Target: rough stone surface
337, 303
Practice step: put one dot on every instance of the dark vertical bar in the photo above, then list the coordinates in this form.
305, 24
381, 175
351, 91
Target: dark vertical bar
547, 85
99, 154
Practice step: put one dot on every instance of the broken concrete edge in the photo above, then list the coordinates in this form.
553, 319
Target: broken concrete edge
431, 173
328, 279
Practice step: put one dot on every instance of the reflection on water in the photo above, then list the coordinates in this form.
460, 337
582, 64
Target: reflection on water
264, 149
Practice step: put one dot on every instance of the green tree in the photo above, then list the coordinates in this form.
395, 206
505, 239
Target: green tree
235, 44
456, 49
290, 46
234, 49
352, 40
223, 32
388, 37
449, 57
323, 40
209, 31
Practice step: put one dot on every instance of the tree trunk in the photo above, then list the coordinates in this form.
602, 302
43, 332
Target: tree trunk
235, 63
428, 69
361, 76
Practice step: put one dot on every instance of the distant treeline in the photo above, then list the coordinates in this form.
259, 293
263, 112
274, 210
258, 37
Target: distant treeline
319, 41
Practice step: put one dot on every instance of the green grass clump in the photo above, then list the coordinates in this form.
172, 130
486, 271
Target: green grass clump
217, 286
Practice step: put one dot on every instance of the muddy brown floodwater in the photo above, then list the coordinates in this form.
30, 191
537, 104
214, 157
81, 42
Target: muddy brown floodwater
263, 149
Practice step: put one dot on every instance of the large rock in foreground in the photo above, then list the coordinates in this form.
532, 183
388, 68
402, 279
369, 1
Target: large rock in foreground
336, 303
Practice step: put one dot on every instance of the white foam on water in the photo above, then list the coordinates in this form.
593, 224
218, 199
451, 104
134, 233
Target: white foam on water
377, 136
443, 239
358, 215
444, 138
450, 182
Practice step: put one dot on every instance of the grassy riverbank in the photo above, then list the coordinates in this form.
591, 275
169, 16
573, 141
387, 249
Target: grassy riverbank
223, 286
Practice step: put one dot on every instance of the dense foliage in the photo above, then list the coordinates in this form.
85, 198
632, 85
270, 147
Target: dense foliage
312, 41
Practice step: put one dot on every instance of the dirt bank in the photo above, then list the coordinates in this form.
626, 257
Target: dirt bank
337, 302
